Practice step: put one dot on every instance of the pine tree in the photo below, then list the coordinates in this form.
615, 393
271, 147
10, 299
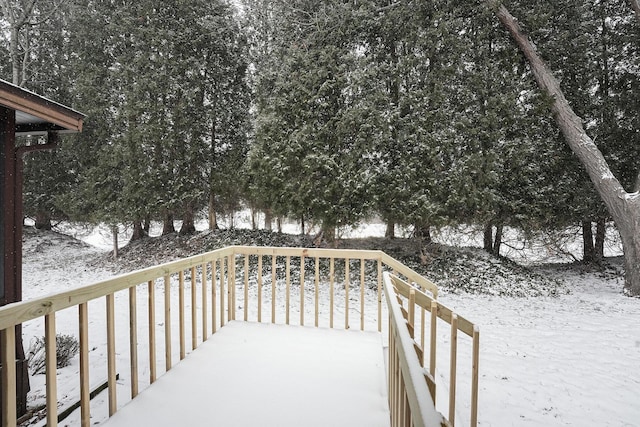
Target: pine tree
306, 162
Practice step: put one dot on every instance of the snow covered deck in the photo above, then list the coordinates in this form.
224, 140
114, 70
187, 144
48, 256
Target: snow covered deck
250, 374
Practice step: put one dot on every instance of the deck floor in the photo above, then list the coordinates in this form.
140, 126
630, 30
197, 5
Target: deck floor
252, 374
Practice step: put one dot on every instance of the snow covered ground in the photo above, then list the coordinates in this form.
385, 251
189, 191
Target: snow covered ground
569, 360
241, 378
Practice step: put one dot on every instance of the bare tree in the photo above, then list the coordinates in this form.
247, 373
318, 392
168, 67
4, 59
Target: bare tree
623, 206
21, 16
17, 14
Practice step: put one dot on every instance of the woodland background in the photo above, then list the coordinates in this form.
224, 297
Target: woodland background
422, 113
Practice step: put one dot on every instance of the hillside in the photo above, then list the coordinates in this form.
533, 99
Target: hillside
455, 270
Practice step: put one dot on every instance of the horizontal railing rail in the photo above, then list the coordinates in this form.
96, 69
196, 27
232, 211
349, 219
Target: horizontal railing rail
198, 295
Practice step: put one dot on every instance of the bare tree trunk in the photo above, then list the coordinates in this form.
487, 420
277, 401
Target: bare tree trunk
42, 221
138, 232
487, 237
268, 219
492, 242
328, 233
254, 223
587, 242
390, 232
17, 20
114, 232
188, 225
623, 207
213, 218
635, 5
279, 223
167, 224
497, 242
601, 228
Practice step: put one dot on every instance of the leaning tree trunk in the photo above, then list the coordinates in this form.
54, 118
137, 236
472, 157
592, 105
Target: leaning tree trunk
624, 207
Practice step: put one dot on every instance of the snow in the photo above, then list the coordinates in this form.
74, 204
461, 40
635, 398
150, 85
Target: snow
632, 196
251, 374
564, 361
569, 360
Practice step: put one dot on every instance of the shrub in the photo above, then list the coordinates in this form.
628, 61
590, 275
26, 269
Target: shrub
67, 347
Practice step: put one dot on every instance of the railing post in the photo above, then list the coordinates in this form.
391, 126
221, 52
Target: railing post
111, 354
85, 415
259, 288
331, 296
203, 282
133, 339
317, 287
434, 337
475, 374
246, 288
346, 293
379, 295
151, 286
194, 313
214, 305
232, 285
452, 371
287, 287
274, 278
167, 322
302, 265
8, 383
362, 280
51, 369
183, 351
222, 292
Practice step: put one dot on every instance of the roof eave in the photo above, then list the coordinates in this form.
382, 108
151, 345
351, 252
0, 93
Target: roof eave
19, 99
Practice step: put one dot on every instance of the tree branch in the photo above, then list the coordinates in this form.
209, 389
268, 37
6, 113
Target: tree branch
49, 14
26, 14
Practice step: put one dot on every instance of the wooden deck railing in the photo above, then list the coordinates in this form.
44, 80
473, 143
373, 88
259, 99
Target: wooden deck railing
408, 374
199, 294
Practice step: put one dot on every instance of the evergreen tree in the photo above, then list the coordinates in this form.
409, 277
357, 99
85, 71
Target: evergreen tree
157, 82
306, 162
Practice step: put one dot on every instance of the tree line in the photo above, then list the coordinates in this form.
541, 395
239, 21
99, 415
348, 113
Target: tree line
422, 113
